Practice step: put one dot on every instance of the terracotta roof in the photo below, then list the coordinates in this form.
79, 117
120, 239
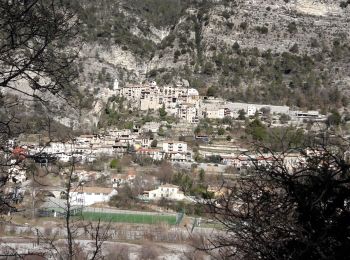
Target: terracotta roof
19, 151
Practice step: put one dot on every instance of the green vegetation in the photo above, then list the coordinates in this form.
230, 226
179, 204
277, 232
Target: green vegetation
240, 74
162, 112
276, 138
257, 130
334, 119
287, 78
129, 218
284, 118
344, 4
160, 13
154, 143
221, 131
183, 180
292, 27
115, 164
110, 21
262, 29
241, 114
204, 127
182, 206
212, 91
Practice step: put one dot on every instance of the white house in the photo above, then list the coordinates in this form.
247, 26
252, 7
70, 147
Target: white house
90, 195
143, 142
241, 161
218, 113
188, 112
16, 175
120, 179
167, 191
154, 153
176, 151
131, 92
177, 147
178, 157
150, 99
87, 139
64, 157
101, 149
57, 147
251, 110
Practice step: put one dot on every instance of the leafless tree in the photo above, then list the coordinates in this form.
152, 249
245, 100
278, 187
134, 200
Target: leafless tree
75, 228
165, 172
34, 35
287, 211
34, 62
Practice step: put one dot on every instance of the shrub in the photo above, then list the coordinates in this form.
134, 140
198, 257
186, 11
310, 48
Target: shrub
243, 25
154, 143
221, 131
262, 29
294, 49
211, 92
292, 27
114, 164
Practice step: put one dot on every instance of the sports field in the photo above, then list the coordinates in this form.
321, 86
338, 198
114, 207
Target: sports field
129, 218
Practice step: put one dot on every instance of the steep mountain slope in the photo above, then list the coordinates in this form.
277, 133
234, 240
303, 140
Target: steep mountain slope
291, 52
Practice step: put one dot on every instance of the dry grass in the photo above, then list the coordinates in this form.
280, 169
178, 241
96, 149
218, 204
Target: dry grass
117, 252
149, 251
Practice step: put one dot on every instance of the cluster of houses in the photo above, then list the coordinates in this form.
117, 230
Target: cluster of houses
87, 196
113, 142
290, 161
186, 104
177, 100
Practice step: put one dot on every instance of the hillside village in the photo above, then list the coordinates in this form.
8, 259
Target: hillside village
149, 129
179, 101
188, 149
186, 104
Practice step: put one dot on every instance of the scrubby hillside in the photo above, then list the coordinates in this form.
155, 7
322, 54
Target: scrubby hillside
291, 52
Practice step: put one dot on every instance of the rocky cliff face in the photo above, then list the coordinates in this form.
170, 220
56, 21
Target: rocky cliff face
223, 24
126, 42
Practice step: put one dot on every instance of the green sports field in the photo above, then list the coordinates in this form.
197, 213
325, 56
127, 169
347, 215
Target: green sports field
129, 218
